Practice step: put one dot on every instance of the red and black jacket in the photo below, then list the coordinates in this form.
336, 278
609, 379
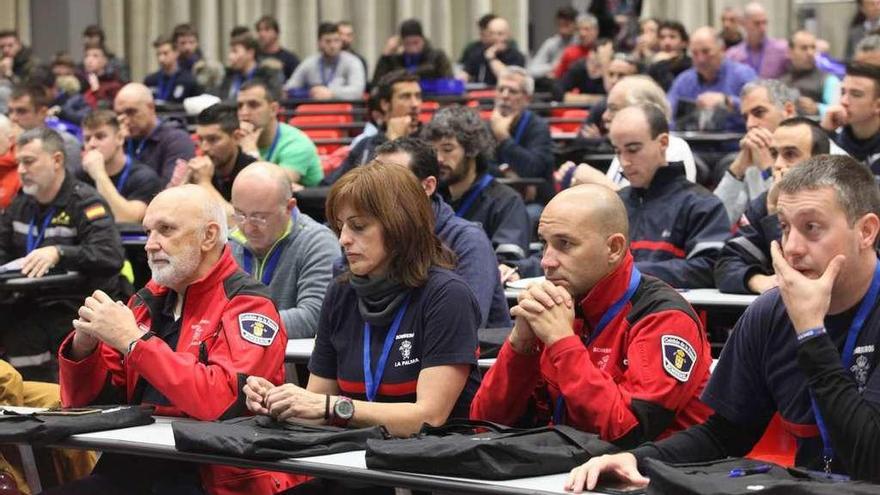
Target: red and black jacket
196, 372
626, 386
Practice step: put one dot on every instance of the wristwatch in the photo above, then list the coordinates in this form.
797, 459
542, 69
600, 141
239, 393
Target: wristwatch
343, 410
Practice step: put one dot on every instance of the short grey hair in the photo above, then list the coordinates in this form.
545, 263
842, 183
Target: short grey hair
854, 183
528, 82
50, 141
589, 19
214, 211
778, 93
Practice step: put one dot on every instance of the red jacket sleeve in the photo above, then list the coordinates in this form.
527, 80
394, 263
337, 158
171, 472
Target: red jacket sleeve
82, 381
596, 402
213, 390
507, 387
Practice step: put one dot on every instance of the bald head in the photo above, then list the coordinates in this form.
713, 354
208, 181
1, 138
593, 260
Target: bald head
186, 234
593, 207
707, 34
194, 206
135, 110
263, 204
707, 52
754, 9
755, 22
586, 234
135, 92
263, 178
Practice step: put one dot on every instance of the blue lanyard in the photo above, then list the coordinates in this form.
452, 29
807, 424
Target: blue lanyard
326, 80
411, 62
237, 80
124, 176
136, 153
166, 85
32, 242
268, 268
472, 196
849, 347
521, 126
634, 279
371, 379
274, 143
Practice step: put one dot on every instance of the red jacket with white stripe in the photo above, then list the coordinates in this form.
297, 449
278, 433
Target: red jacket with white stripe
676, 228
229, 329
639, 380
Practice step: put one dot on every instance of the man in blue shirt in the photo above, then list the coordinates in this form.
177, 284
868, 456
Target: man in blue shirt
711, 86
784, 356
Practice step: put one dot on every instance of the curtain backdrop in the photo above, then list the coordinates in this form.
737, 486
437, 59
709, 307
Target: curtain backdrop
132, 25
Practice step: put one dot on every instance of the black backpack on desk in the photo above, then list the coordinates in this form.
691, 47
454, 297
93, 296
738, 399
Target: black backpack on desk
713, 478
500, 453
47, 428
263, 438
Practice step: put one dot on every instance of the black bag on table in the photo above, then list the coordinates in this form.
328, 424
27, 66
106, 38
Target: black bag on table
713, 478
47, 428
263, 438
500, 453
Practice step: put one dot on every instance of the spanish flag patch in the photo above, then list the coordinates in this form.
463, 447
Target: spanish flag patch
95, 211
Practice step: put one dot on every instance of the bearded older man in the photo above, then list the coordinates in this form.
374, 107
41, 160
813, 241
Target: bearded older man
185, 344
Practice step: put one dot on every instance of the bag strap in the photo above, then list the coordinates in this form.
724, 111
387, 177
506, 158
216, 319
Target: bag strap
576, 437
461, 425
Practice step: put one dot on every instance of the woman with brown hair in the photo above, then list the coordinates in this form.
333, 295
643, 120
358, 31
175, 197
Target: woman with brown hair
398, 300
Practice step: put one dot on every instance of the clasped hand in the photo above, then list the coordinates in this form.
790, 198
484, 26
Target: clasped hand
286, 402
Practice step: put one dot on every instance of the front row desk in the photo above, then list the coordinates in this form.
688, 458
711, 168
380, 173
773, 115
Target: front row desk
157, 440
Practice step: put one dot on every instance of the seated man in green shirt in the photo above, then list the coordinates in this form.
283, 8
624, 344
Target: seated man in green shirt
267, 139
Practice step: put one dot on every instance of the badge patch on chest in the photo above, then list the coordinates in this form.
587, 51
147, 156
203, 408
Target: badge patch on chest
257, 329
679, 357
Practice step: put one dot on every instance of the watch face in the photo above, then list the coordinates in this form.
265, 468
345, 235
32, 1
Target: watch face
344, 409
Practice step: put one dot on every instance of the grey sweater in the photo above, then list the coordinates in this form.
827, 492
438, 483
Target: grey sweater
302, 273
348, 78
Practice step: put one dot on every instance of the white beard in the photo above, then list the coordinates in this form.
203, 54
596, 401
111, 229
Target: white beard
177, 269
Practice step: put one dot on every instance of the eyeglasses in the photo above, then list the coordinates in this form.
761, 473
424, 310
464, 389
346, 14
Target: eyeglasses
258, 219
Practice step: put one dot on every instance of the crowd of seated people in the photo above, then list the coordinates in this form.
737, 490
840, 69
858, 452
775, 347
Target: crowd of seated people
721, 159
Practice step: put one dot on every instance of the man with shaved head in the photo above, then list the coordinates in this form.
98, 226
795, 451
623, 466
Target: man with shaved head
154, 142
598, 345
281, 246
713, 83
767, 56
184, 344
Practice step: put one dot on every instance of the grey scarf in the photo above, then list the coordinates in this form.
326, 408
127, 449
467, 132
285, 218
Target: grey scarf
378, 298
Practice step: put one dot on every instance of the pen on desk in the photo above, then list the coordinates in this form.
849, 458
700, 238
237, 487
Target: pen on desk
509, 274
740, 472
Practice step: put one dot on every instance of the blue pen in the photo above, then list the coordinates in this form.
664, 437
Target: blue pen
740, 472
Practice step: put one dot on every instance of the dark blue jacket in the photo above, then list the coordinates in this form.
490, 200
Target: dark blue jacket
532, 154
502, 213
476, 263
748, 252
676, 228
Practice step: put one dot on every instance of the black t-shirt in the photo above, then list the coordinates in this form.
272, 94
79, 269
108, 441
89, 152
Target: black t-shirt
758, 373
224, 184
142, 183
439, 328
